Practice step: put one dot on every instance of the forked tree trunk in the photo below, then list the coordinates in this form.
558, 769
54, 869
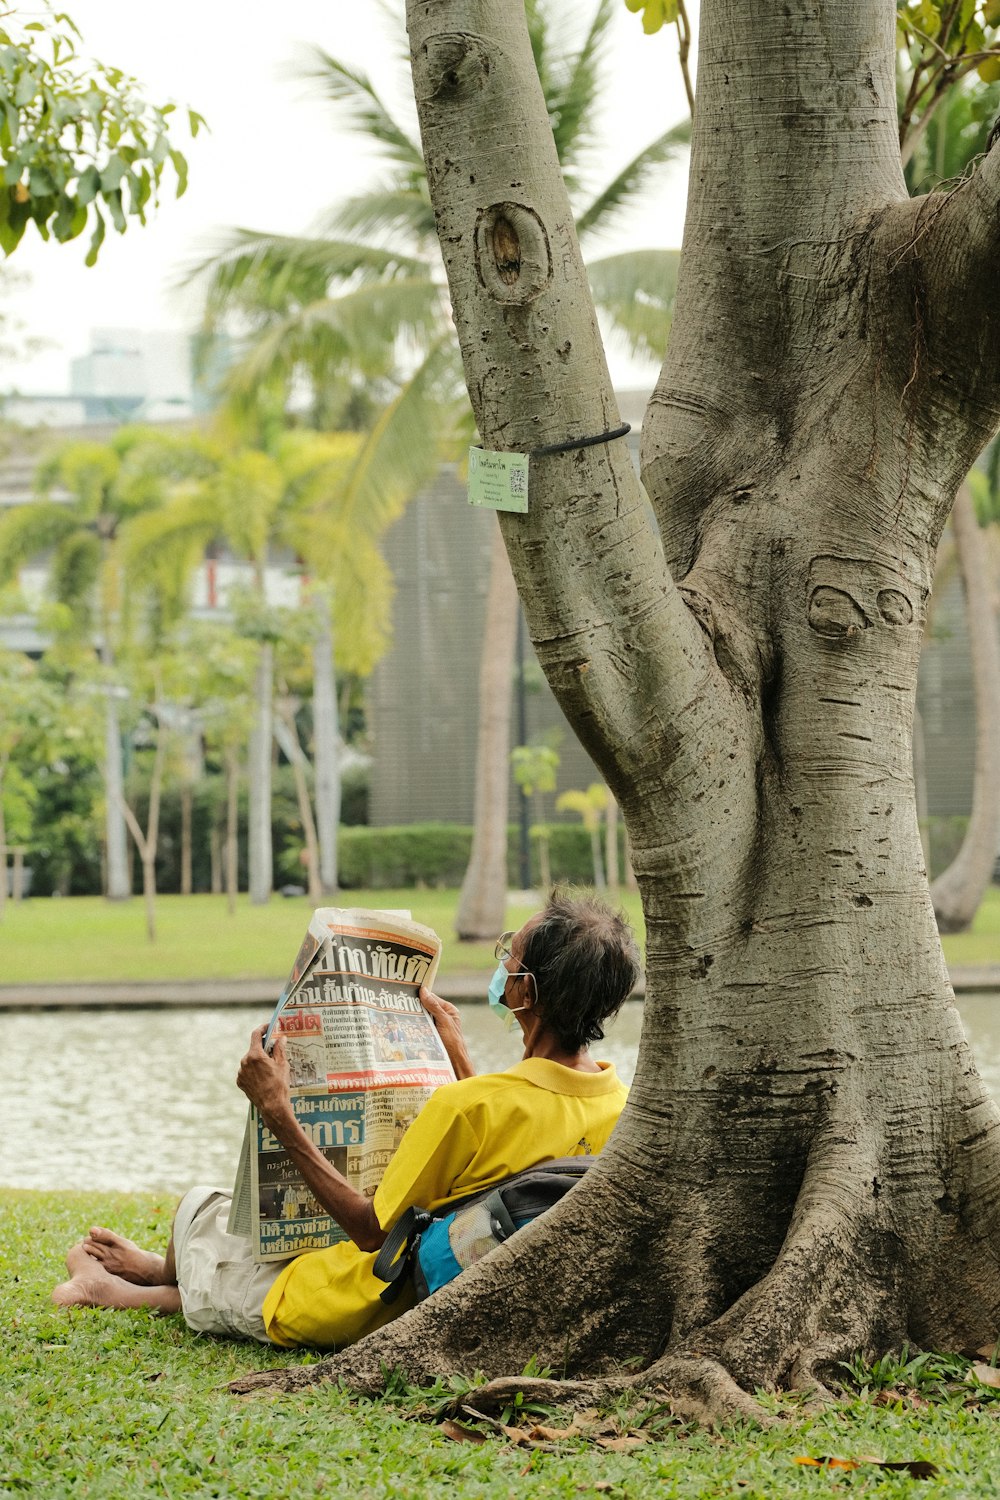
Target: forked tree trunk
808, 1164
958, 890
482, 904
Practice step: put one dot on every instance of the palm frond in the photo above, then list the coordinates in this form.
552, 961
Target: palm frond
402, 451
29, 530
632, 178
370, 115
572, 103
404, 210
635, 291
248, 271
359, 330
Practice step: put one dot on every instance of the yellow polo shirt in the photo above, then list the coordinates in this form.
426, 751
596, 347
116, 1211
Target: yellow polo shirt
468, 1136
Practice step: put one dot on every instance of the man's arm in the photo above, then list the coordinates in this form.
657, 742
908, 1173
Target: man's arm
264, 1078
448, 1023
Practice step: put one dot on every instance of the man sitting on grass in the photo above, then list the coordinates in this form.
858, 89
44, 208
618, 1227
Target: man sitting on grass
559, 978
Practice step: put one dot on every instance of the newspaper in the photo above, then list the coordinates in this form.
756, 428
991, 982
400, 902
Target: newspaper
364, 1057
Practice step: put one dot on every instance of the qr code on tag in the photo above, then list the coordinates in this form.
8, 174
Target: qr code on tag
518, 482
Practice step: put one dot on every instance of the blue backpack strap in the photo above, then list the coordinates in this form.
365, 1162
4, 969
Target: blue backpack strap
393, 1262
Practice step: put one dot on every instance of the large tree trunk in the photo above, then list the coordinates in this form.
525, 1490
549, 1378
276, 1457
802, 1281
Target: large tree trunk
808, 1164
958, 890
482, 904
259, 838
326, 744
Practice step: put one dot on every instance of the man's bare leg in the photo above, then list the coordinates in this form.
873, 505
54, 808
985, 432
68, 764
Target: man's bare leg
124, 1258
91, 1285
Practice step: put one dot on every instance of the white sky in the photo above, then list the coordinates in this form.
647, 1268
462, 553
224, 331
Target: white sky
274, 157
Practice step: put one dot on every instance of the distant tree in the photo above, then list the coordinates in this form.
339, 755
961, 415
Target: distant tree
87, 492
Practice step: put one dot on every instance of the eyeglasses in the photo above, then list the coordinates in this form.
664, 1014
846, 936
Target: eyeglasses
502, 949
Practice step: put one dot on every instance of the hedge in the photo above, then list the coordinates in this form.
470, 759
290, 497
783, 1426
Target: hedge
437, 854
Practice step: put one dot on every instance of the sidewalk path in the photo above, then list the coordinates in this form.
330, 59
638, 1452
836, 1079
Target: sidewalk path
165, 993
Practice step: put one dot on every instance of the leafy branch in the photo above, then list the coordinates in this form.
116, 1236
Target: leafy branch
79, 146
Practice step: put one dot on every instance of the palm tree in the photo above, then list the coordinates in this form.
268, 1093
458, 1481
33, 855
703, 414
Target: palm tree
340, 311
87, 493
327, 499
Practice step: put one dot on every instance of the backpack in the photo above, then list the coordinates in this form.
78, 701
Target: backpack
437, 1246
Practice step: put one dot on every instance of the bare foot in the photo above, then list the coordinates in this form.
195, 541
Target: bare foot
124, 1258
92, 1286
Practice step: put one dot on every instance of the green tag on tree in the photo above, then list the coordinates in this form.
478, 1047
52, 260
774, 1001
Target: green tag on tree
498, 481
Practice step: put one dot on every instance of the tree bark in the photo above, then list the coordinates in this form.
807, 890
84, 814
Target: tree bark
958, 890
119, 883
293, 749
3, 843
808, 1164
326, 744
147, 842
232, 829
482, 903
215, 860
187, 883
261, 856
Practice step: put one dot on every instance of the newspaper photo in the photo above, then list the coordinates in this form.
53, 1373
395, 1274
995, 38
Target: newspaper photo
364, 1057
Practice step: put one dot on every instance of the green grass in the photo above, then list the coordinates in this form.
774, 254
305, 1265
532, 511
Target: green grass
121, 1405
980, 946
87, 938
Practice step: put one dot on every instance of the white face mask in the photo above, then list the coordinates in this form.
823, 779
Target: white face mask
495, 994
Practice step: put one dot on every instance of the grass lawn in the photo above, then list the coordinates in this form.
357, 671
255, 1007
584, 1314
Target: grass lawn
87, 938
101, 1404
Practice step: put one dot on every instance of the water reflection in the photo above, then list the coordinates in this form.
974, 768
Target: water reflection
147, 1099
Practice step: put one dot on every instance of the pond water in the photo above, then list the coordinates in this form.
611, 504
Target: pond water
146, 1099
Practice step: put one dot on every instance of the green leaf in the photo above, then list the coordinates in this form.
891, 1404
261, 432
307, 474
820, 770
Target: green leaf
113, 173
97, 239
116, 209
27, 87
13, 226
180, 167
989, 69
89, 185
40, 184
62, 224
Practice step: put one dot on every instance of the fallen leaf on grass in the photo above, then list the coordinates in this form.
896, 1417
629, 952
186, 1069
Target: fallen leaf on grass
622, 1444
917, 1468
986, 1375
460, 1434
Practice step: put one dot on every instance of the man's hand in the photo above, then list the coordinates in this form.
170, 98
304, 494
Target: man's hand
264, 1078
448, 1022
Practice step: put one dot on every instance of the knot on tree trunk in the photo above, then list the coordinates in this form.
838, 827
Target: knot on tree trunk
450, 67
513, 255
